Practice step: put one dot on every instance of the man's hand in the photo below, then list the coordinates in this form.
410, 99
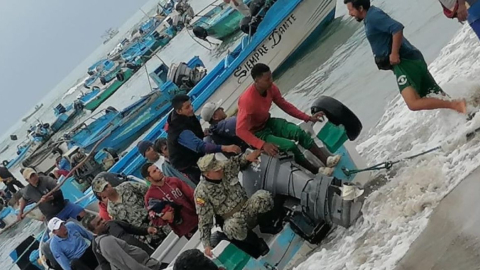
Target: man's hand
270, 148
462, 13
394, 59
208, 252
231, 149
20, 216
152, 230
45, 198
318, 117
253, 156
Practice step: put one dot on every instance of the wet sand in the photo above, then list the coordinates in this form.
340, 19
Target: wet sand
452, 237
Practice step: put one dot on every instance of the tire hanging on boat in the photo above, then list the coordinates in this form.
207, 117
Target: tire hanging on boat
338, 114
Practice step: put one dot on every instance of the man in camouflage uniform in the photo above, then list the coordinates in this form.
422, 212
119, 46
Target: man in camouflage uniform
220, 193
126, 203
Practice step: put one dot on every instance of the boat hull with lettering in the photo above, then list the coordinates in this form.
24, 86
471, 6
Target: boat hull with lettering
275, 43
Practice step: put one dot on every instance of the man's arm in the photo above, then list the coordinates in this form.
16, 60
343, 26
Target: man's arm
287, 106
188, 139
115, 253
462, 12
205, 217
131, 229
22, 203
233, 165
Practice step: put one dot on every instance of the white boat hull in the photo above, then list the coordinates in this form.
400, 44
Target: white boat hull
276, 48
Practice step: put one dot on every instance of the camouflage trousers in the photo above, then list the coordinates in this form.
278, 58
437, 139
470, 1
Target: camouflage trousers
244, 220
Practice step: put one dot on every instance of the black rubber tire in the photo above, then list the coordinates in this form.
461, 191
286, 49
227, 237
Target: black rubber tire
103, 81
338, 114
5, 163
120, 76
90, 72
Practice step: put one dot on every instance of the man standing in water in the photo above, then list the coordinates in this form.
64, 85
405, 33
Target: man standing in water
394, 52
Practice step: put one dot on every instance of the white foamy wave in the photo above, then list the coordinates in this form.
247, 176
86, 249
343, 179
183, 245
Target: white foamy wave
74, 88
398, 212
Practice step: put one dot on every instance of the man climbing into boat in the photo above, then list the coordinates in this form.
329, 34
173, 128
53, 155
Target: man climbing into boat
240, 6
170, 202
257, 128
185, 139
9, 180
122, 230
221, 195
69, 247
168, 170
53, 205
394, 52
458, 9
222, 128
125, 202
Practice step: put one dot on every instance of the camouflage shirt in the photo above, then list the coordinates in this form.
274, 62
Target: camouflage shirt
130, 208
219, 198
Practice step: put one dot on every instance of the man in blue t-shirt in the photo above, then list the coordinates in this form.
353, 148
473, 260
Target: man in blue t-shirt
394, 52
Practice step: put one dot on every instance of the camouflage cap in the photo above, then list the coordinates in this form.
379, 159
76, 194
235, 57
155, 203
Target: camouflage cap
99, 184
209, 163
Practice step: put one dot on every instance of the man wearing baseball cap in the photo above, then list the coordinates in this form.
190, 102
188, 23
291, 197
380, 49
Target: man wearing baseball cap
51, 204
222, 128
69, 247
220, 193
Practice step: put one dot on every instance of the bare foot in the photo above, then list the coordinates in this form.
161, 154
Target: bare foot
460, 106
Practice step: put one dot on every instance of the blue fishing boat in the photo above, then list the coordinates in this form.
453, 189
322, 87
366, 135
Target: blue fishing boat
219, 22
22, 150
126, 125
105, 71
144, 48
65, 114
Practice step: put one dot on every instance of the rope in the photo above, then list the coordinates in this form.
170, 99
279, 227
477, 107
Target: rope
388, 164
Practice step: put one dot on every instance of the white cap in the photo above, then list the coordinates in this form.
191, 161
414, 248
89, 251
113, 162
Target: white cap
54, 224
209, 109
28, 172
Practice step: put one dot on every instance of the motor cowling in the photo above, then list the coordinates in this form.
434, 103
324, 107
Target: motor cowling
316, 197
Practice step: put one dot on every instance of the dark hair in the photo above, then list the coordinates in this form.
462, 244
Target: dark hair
158, 144
178, 100
258, 70
358, 3
193, 259
87, 222
144, 170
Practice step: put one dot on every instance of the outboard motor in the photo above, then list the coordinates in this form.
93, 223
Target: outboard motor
60, 109
314, 202
200, 32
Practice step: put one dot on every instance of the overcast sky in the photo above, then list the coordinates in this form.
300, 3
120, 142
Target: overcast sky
43, 41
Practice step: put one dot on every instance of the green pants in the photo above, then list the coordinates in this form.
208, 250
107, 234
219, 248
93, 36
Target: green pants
284, 134
414, 73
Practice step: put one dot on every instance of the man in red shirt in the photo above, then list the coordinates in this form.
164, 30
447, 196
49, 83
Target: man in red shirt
258, 129
179, 212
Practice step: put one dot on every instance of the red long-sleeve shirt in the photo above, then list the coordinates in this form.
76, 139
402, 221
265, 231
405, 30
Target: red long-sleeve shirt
254, 111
